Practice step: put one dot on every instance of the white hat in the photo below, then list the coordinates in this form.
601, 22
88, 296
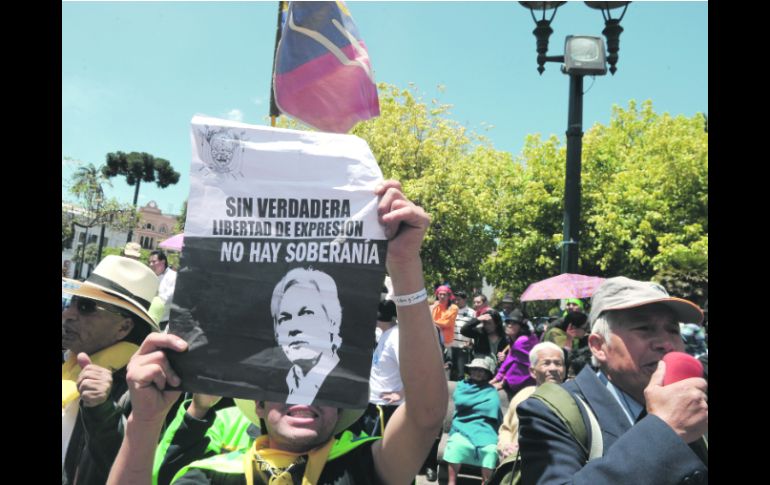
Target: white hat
123, 282
133, 250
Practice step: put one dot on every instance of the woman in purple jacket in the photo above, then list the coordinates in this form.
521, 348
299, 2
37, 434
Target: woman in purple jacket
513, 374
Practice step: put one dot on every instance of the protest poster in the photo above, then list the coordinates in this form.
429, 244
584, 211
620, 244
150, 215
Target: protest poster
282, 267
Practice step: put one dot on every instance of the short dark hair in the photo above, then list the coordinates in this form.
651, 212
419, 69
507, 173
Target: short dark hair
496, 318
161, 256
386, 311
577, 319
461, 294
480, 295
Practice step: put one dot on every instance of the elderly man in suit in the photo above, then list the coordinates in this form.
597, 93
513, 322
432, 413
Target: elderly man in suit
650, 433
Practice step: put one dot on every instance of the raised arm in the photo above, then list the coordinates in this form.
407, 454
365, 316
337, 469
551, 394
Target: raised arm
413, 427
148, 373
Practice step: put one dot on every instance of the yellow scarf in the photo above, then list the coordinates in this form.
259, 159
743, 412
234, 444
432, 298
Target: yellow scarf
274, 467
113, 358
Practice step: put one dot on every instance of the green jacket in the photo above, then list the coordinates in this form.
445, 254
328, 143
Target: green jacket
188, 439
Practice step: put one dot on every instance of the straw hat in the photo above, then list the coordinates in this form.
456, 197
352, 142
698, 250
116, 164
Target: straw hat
123, 282
132, 250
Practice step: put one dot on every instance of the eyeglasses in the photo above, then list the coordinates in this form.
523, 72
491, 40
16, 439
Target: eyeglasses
86, 306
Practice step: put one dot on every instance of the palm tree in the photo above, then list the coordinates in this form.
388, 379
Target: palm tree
87, 186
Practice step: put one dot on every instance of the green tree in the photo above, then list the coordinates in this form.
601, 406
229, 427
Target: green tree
96, 209
644, 207
179, 226
454, 174
67, 230
138, 167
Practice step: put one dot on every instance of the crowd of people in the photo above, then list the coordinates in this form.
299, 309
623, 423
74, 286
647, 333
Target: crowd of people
123, 424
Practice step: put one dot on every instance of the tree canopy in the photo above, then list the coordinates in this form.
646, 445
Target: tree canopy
644, 204
95, 209
454, 174
86, 186
138, 167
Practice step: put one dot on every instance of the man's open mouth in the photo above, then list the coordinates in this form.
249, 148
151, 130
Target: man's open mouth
302, 412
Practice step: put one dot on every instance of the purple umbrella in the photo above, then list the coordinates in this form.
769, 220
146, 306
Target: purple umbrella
174, 243
565, 285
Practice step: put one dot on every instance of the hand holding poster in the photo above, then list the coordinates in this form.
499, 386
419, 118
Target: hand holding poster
282, 266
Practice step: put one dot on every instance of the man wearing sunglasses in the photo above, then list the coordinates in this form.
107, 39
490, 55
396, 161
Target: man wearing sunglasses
102, 326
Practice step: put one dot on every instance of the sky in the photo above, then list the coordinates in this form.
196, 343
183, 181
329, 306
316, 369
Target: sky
135, 73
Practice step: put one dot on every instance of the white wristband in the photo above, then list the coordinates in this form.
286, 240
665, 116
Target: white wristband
412, 299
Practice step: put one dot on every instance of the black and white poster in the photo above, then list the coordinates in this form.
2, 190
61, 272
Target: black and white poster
282, 267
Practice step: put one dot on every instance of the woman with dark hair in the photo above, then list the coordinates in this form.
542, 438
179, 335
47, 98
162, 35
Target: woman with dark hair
569, 331
487, 333
513, 374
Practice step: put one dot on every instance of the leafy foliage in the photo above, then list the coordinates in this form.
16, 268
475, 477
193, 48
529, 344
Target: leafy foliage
179, 226
138, 167
644, 201
67, 231
86, 186
455, 175
173, 257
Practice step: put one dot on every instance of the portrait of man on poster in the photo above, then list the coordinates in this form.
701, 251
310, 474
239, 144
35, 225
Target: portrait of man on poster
307, 316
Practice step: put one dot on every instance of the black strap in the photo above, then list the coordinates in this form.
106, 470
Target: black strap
102, 281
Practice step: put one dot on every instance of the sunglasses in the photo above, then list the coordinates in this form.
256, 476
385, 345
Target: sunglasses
87, 307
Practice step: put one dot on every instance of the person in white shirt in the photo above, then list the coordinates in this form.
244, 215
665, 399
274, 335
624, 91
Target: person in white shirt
386, 391
159, 264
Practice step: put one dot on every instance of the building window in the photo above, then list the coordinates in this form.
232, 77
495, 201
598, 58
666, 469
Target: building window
163, 229
146, 242
148, 226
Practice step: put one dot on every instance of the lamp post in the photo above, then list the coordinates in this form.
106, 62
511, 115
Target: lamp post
583, 55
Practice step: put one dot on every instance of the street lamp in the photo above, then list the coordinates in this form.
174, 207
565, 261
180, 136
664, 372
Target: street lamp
583, 55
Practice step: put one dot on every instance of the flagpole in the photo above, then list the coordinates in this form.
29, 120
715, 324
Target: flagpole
274, 111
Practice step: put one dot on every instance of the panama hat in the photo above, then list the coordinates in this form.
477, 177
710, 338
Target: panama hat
346, 416
123, 282
133, 250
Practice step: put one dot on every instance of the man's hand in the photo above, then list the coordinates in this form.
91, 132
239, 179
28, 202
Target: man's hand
94, 382
507, 449
391, 397
501, 357
405, 223
682, 405
148, 373
200, 405
496, 384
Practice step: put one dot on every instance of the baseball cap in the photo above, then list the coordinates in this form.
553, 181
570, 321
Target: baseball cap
621, 293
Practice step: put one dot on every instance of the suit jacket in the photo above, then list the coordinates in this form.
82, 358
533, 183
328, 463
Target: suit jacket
649, 452
97, 436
